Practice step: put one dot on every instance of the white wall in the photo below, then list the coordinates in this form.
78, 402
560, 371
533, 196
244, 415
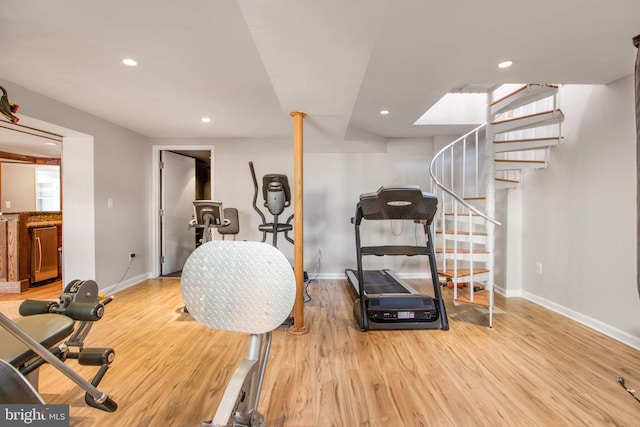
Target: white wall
122, 180
579, 215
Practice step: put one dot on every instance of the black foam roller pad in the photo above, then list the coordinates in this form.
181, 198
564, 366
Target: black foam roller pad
30, 307
85, 311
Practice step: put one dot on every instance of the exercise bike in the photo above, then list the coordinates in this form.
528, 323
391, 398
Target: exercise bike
246, 287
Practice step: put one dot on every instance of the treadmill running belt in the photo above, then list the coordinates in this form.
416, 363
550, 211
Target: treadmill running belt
380, 282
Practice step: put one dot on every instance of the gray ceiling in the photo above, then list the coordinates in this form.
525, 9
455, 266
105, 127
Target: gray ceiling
247, 64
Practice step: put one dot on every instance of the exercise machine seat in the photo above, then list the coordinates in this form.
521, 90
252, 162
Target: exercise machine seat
238, 286
233, 227
14, 387
48, 329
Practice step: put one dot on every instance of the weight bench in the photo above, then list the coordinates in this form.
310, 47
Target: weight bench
47, 332
246, 287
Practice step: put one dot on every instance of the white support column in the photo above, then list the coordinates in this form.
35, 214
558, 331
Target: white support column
513, 272
490, 208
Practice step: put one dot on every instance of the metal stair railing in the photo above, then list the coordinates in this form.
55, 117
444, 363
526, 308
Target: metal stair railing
453, 194
441, 155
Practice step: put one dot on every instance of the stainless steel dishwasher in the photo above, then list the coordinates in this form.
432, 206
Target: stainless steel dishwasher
44, 254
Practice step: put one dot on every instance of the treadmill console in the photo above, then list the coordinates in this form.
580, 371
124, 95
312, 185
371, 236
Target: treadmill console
397, 202
399, 308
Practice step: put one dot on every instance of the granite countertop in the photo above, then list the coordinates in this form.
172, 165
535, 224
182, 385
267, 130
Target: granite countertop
43, 219
35, 219
34, 224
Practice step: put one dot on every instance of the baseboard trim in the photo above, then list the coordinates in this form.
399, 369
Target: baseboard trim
506, 292
338, 276
330, 276
608, 330
113, 289
10, 287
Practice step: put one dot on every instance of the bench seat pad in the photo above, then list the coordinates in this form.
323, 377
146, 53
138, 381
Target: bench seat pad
47, 329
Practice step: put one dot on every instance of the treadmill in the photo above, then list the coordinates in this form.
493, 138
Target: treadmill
384, 301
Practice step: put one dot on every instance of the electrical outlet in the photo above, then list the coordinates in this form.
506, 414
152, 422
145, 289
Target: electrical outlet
539, 267
132, 255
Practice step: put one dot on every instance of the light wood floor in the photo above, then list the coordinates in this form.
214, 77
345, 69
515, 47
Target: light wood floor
535, 368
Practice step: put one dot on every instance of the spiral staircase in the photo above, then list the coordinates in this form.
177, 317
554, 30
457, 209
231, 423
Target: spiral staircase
522, 125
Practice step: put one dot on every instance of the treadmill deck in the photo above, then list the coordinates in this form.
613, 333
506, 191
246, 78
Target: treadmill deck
381, 282
392, 304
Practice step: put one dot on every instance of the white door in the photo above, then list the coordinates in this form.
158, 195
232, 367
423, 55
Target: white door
178, 191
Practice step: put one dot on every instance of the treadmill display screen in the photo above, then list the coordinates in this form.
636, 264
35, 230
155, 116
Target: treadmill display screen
399, 315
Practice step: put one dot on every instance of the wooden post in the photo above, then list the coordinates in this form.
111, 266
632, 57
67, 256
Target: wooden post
298, 326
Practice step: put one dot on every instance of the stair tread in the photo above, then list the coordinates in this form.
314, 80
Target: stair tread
515, 119
521, 161
538, 120
464, 233
511, 141
480, 298
462, 272
465, 214
531, 144
508, 180
462, 251
515, 92
524, 95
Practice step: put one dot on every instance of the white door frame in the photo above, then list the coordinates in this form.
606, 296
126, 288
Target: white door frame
78, 209
78, 204
177, 193
155, 191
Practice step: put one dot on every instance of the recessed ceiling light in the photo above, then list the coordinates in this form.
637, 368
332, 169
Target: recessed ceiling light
384, 112
505, 64
130, 62
50, 143
205, 120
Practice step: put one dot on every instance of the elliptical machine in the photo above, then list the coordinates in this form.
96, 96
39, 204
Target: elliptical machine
277, 197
